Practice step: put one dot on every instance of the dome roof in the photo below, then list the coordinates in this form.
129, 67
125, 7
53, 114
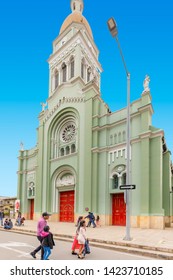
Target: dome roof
76, 17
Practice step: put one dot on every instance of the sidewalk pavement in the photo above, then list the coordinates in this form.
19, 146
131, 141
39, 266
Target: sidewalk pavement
149, 242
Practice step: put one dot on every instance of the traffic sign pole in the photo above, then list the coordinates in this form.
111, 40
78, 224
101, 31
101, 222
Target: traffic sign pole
127, 189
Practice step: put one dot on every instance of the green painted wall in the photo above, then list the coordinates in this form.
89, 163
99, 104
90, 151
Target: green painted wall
156, 175
166, 183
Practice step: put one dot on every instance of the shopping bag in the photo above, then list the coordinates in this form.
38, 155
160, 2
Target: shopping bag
86, 247
75, 244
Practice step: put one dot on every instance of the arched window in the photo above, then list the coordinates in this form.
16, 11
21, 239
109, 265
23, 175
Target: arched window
123, 178
62, 152
72, 67
73, 148
115, 181
67, 150
115, 138
88, 74
31, 189
64, 72
124, 135
111, 138
83, 69
119, 137
56, 78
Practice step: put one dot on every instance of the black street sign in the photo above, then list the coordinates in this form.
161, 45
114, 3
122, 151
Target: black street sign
127, 187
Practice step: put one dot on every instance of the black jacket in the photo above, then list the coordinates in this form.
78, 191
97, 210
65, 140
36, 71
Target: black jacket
48, 241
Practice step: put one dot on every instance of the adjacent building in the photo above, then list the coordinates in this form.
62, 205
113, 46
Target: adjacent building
79, 160
7, 206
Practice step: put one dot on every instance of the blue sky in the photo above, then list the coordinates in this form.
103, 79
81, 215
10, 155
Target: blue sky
26, 33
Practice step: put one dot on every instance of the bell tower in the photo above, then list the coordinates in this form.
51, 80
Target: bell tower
75, 55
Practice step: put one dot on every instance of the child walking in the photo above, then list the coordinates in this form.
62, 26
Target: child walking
98, 221
47, 242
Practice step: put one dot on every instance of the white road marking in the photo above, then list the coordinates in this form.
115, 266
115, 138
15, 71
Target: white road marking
11, 245
15, 244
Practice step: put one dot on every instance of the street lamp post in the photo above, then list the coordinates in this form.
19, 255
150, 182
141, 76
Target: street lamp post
114, 32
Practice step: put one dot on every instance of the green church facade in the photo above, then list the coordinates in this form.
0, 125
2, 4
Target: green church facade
79, 160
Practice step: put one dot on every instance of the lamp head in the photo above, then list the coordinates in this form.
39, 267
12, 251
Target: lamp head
112, 27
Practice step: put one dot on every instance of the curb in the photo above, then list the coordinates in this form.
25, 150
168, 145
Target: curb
143, 250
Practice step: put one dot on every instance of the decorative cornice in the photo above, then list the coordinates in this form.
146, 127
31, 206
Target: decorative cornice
79, 41
62, 56
48, 113
123, 120
24, 157
146, 134
122, 146
65, 188
109, 149
151, 134
160, 133
63, 157
100, 150
27, 171
108, 126
147, 107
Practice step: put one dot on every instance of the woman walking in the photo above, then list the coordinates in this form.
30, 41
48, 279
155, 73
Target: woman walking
81, 238
75, 244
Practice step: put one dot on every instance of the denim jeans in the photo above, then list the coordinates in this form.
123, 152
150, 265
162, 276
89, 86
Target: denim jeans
91, 222
47, 252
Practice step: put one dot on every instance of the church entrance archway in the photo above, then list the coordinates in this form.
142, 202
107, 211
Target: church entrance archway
65, 194
67, 206
118, 210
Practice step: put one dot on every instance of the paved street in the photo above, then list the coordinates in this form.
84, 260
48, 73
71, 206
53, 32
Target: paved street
15, 246
150, 243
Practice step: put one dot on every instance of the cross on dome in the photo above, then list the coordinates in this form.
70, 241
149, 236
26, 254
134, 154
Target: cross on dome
77, 6
76, 16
